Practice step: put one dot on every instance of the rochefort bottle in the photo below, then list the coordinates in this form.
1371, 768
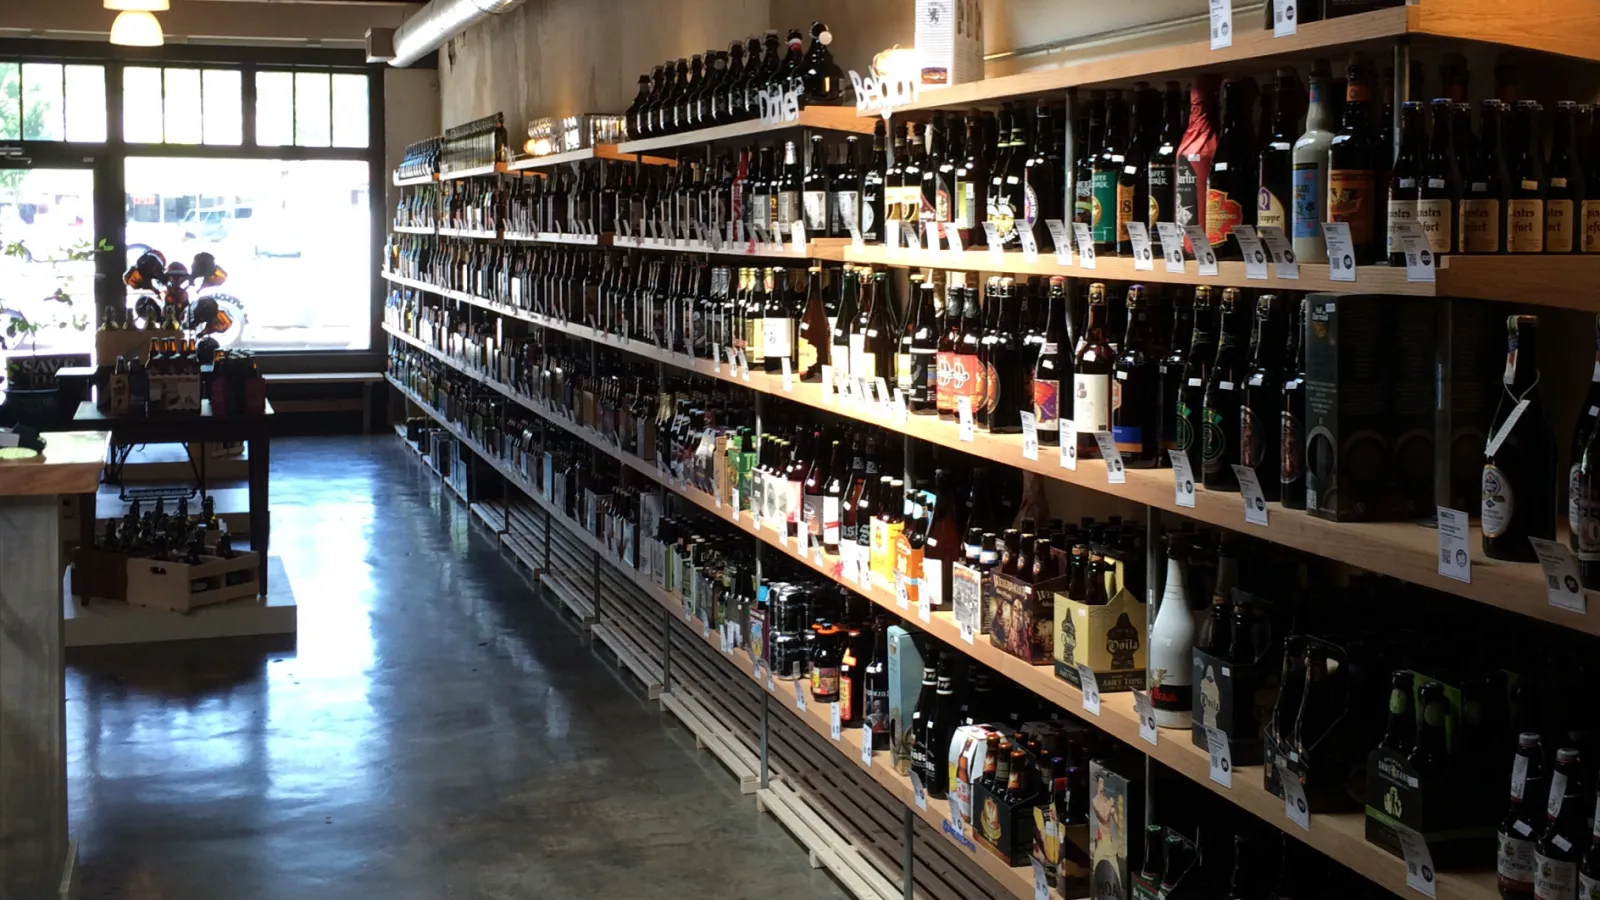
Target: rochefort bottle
1172, 645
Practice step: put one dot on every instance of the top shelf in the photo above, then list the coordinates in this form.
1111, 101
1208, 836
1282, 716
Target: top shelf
599, 151
414, 180
837, 118
1551, 26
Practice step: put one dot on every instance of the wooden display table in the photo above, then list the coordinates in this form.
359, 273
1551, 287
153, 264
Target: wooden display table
36, 859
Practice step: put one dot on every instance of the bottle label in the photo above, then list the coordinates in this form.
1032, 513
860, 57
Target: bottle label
1584, 516
1352, 200
1216, 442
989, 397
1293, 443
846, 207
824, 681
754, 340
1252, 438
1270, 211
966, 380
875, 707
1525, 226
830, 520
811, 515
869, 216
932, 587
807, 355
1083, 203
1558, 226
1554, 879
1191, 204
904, 374
1399, 211
1436, 218
1103, 220
1125, 211
1588, 888
944, 398
1030, 204
776, 338
1176, 698
1160, 188
1514, 863
1129, 438
1046, 405
1591, 226
788, 208
1004, 216
1184, 426
1480, 226
1091, 403
1222, 213
1497, 502
847, 691
942, 210
1307, 201
966, 198
816, 209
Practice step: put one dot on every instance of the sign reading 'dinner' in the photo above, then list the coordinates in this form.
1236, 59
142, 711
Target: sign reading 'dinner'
779, 105
882, 95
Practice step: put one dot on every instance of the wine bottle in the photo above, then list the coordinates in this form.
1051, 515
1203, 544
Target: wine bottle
1136, 385
1195, 153
1172, 643
1133, 179
1053, 367
1525, 213
923, 396
1223, 387
1403, 178
1163, 165
1519, 465
1354, 158
1234, 183
1091, 378
873, 194
1310, 190
1276, 197
815, 337
1486, 194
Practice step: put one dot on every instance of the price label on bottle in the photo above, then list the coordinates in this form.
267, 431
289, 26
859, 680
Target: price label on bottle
1041, 882
1030, 247
1283, 17
1255, 256
952, 237
1561, 583
1171, 237
1255, 502
912, 232
1146, 712
800, 694
744, 366
1182, 478
797, 237
1203, 254
919, 794
866, 745
1085, 244
833, 721
1341, 251
1139, 237
1221, 24
1069, 445
1420, 875
788, 376
1280, 250
1455, 559
1091, 689
1294, 798
1419, 253
997, 253
1061, 238
1115, 472
964, 410
1221, 756
1030, 437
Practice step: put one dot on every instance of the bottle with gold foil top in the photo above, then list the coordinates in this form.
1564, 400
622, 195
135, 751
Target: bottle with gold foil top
1353, 162
1525, 211
1485, 193
1439, 186
1565, 185
1231, 191
1091, 377
1403, 178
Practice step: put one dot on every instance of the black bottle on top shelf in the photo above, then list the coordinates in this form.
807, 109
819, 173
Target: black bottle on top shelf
1485, 193
873, 194
1403, 177
1163, 163
1234, 184
1043, 191
1525, 226
1133, 179
1519, 465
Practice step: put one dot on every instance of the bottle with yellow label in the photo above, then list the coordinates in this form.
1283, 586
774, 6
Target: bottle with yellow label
1355, 155
1484, 194
1525, 209
1565, 187
1439, 185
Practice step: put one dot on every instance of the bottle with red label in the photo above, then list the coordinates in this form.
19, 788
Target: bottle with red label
1172, 644
1231, 190
1195, 152
1354, 158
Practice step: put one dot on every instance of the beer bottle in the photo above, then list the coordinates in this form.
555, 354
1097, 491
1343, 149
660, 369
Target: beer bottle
1261, 415
1403, 178
1091, 377
1560, 846
814, 191
950, 334
1583, 480
777, 322
1053, 367
1399, 734
966, 368
844, 191
969, 184
1043, 187
1292, 434
1188, 425
849, 297
923, 398
914, 207
1430, 757
1589, 871
1525, 212
1275, 200
1439, 184
1133, 179
937, 174
1093, 125
1590, 209
1004, 370
1001, 207
1353, 163
1170, 371
1136, 385
1195, 154
873, 195
1172, 643
816, 339
1524, 819
1311, 168
1519, 481
1223, 389
1107, 169
1231, 191
1163, 165
1486, 194
1566, 184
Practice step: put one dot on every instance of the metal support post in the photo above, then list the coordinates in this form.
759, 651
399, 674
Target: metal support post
546, 567
1402, 86
666, 652
1069, 153
906, 837
765, 769
1443, 425
1154, 578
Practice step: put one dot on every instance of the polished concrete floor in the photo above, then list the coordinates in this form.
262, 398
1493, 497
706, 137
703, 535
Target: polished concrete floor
438, 733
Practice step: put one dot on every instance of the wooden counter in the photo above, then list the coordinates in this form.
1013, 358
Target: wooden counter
71, 464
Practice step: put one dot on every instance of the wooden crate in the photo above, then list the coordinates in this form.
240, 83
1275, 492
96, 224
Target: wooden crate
181, 587
99, 574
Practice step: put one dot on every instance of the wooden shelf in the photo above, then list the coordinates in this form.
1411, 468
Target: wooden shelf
828, 249
498, 168
836, 118
558, 237
412, 229
476, 233
599, 151
414, 181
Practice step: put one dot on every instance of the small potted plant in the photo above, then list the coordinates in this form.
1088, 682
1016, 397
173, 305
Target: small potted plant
29, 381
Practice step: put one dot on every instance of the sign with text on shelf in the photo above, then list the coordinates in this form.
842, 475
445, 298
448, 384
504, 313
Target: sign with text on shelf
881, 94
780, 105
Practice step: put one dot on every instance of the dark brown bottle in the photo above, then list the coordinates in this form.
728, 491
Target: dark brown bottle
1223, 394
815, 338
1355, 157
1524, 820
1261, 415
1519, 462
1439, 185
1136, 385
1188, 411
1091, 377
1231, 191
1292, 433
1053, 367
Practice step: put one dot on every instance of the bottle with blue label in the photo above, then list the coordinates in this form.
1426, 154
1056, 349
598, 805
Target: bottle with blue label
1310, 185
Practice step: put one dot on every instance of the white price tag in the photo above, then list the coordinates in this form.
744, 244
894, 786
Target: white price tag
1147, 717
918, 792
898, 405
1041, 882
1182, 478
797, 237
866, 745
1455, 559
1139, 236
891, 236
930, 236
1221, 756
716, 358
1030, 437
1341, 251
1030, 247
1115, 472
924, 607
1561, 583
771, 684
799, 694
1255, 503
1062, 239
1091, 689
1085, 245
1281, 251
1419, 253
1294, 798
1255, 256
1203, 254
964, 410
966, 630
997, 253
1221, 24
833, 721
1069, 445
1283, 16
952, 237
788, 376
902, 597
913, 235
857, 242
1420, 875
882, 384
827, 383
1171, 246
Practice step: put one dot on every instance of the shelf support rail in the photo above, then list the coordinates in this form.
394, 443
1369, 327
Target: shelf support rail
907, 835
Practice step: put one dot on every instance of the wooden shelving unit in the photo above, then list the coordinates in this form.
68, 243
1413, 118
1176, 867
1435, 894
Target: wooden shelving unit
829, 249
558, 237
483, 234
599, 151
397, 181
413, 229
835, 118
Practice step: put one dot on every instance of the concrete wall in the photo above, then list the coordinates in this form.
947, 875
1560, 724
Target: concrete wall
205, 20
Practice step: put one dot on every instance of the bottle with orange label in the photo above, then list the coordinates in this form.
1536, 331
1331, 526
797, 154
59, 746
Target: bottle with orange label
1353, 163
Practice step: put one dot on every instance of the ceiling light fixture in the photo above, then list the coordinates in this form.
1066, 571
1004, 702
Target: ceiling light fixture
152, 6
136, 28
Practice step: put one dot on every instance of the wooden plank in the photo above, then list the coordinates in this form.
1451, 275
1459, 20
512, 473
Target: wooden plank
1553, 26
70, 464
322, 377
838, 118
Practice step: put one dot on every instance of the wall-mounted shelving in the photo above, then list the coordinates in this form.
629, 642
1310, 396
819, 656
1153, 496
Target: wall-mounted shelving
835, 118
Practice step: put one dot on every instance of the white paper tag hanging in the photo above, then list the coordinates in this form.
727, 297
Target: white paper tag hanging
799, 694
964, 410
788, 376
1281, 251
1420, 874
1091, 689
1085, 245
1255, 502
1041, 882
918, 792
1418, 251
1221, 757
1283, 16
1562, 585
1030, 247
1115, 472
1221, 24
1069, 445
866, 745
1295, 805
1062, 239
1204, 255
833, 720
1143, 708
997, 253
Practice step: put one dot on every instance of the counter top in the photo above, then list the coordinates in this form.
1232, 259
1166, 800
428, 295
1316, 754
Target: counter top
70, 464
